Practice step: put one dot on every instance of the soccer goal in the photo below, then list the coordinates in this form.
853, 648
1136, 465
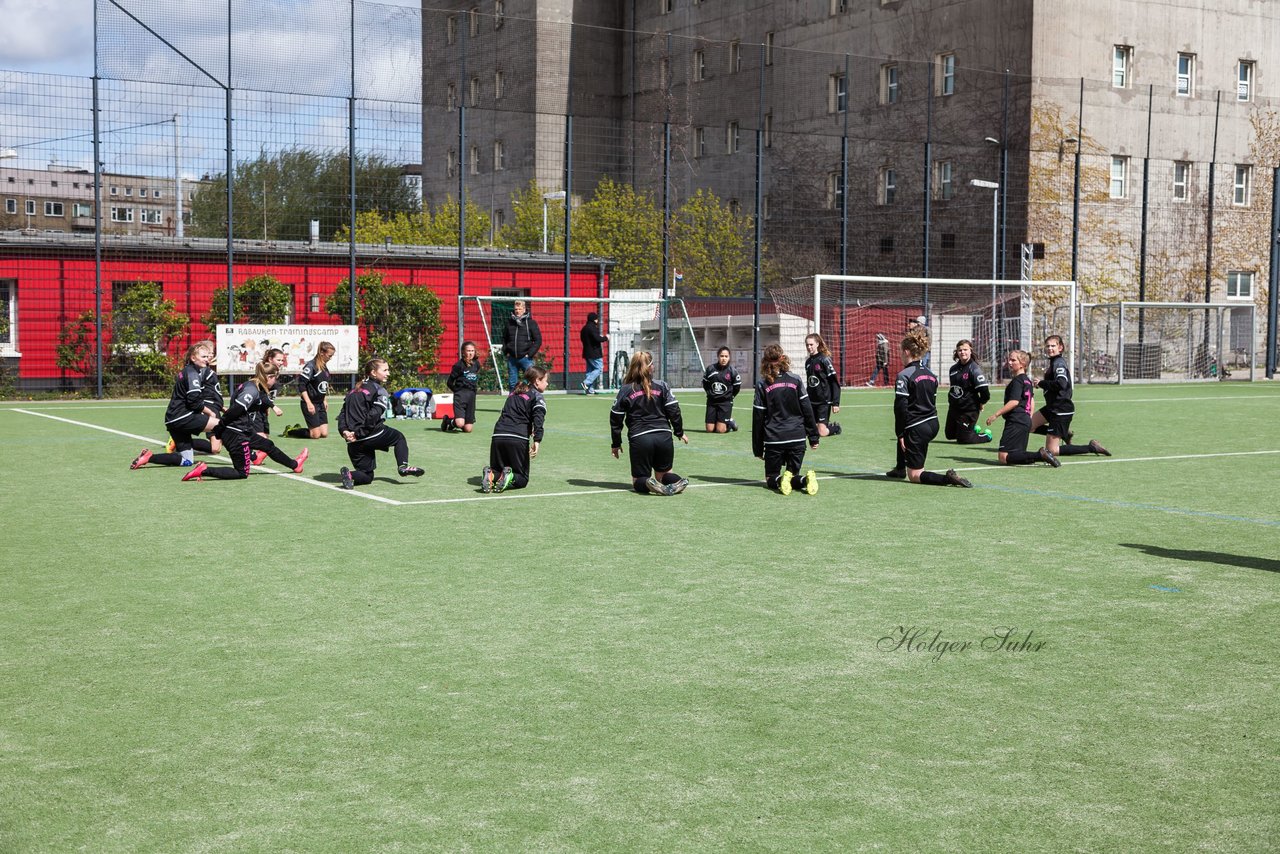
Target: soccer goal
996, 315
1167, 342
642, 320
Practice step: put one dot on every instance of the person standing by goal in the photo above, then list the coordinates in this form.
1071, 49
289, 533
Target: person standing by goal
722, 383
1054, 418
824, 385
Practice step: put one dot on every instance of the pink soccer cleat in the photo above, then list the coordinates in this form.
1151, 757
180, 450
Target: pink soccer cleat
140, 460
196, 471
302, 458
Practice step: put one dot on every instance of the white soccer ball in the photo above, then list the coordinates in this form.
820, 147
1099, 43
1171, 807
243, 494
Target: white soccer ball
419, 397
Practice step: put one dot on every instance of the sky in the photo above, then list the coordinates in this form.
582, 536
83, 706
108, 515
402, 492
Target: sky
289, 72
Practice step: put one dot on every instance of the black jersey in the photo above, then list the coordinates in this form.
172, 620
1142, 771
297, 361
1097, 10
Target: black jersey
314, 380
464, 377
1057, 387
522, 415
211, 390
248, 405
915, 397
658, 412
364, 409
1021, 390
721, 383
188, 394
781, 414
969, 388
824, 386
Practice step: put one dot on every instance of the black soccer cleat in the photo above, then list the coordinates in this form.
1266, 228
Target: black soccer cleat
347, 481
834, 428
1097, 448
411, 471
954, 479
896, 474
1050, 458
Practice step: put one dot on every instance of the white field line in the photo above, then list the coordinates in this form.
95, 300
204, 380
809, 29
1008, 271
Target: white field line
1068, 461
150, 441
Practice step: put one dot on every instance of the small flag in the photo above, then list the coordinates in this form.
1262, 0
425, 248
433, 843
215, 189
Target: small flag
679, 277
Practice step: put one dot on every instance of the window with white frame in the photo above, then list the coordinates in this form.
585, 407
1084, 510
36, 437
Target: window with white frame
150, 216
768, 48
732, 138
499, 84
473, 18
473, 160
451, 163
451, 29
764, 208
451, 97
735, 57
1119, 177
946, 71
1121, 65
1244, 80
1239, 285
157, 194
835, 190
31, 207
1181, 179
81, 209
499, 219
475, 91
699, 65
1240, 187
499, 156
9, 305
115, 191
837, 93
699, 142
887, 186
499, 13
667, 6
839, 6
53, 209
128, 191
889, 83
11, 206
768, 130
122, 214
1186, 80
943, 188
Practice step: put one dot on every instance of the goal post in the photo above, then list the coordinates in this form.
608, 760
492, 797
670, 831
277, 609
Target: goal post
641, 320
997, 315
1167, 342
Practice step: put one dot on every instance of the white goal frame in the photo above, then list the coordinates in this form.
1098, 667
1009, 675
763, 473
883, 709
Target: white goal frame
1213, 337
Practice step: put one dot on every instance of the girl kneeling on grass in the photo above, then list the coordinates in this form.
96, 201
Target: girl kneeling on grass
188, 414
652, 415
915, 415
781, 420
1019, 399
239, 431
361, 423
517, 434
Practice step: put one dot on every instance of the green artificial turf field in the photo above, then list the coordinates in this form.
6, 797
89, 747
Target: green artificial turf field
1073, 659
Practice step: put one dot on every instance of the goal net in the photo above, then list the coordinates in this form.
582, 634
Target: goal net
641, 320
1166, 342
996, 315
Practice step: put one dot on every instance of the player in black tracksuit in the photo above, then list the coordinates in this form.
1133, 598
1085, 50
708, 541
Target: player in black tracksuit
824, 385
187, 414
313, 385
915, 415
361, 423
239, 431
782, 421
969, 393
517, 434
1054, 418
651, 415
722, 384
1019, 398
463, 380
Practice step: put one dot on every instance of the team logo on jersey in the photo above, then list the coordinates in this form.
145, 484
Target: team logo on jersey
719, 389
814, 381
323, 387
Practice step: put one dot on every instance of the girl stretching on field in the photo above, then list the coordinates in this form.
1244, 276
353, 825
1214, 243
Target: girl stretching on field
188, 414
517, 434
361, 423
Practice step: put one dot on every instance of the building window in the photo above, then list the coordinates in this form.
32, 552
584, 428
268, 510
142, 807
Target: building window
499, 13
948, 241
887, 186
731, 138
451, 163
9, 305
473, 94
473, 21
451, 97
839, 6
31, 207
151, 216
942, 186
473, 160
764, 208
53, 209
886, 244
156, 194
122, 214
128, 191
499, 84
1119, 177
1186, 75
768, 130
1240, 188
1121, 60
699, 142
1244, 81
1181, 177
768, 48
946, 65
735, 57
889, 84
499, 156
451, 29
667, 6
735, 207
80, 209
835, 191
837, 93
11, 206
1239, 285
699, 65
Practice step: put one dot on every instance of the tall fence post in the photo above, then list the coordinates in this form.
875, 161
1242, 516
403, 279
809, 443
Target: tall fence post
1273, 274
97, 216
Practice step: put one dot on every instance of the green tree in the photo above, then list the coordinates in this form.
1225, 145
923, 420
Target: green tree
444, 224
401, 323
712, 246
421, 228
625, 226
261, 299
524, 229
277, 196
142, 327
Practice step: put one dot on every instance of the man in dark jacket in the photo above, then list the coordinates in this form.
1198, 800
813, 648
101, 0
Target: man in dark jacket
521, 341
592, 352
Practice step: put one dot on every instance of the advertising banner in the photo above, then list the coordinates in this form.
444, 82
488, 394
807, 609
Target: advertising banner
242, 345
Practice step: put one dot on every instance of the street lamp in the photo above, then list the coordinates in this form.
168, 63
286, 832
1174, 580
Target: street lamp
546, 197
995, 235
